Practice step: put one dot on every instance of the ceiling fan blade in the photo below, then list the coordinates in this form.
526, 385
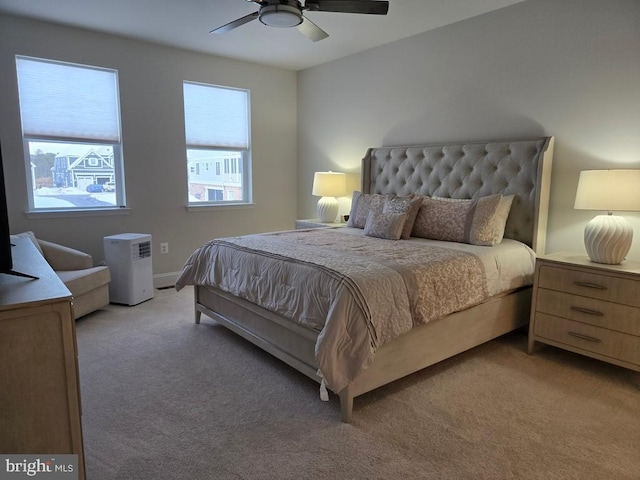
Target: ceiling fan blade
235, 23
372, 7
311, 30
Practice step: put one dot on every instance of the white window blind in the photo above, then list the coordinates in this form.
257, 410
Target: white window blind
65, 101
216, 116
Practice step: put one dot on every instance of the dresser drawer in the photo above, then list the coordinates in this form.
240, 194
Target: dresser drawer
589, 338
613, 316
593, 285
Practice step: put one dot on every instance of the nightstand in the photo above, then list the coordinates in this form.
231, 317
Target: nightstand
316, 223
587, 308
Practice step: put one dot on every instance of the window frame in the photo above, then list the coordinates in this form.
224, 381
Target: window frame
118, 164
245, 156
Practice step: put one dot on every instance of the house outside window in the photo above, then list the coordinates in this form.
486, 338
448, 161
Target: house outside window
217, 132
71, 134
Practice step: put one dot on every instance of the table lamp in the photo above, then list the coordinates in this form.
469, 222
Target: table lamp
607, 238
329, 185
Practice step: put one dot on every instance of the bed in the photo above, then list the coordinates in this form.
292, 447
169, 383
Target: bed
241, 282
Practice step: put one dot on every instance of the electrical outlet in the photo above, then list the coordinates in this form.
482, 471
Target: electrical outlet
164, 248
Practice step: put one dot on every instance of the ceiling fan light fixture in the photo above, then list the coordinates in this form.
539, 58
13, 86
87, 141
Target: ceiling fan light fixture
282, 16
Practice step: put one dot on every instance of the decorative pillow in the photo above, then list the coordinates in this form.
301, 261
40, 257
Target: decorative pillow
361, 205
478, 222
385, 225
490, 219
409, 205
442, 219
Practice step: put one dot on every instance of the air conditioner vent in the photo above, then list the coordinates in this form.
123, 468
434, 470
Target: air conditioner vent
141, 250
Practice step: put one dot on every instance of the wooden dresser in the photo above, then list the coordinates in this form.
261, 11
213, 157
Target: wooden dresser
588, 308
39, 387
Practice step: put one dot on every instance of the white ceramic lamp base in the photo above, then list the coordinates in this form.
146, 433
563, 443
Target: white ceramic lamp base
607, 239
327, 209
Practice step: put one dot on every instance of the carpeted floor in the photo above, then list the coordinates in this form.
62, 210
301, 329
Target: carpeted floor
163, 398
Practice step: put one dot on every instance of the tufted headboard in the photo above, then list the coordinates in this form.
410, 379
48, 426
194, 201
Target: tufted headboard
472, 170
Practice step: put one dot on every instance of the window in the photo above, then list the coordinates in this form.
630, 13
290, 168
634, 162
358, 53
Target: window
217, 132
214, 194
71, 133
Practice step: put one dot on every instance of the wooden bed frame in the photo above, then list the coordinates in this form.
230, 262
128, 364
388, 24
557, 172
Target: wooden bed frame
528, 178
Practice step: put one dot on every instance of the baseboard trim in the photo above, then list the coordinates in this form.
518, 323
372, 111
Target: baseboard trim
165, 280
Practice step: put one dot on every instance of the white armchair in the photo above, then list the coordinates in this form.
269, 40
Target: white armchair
89, 285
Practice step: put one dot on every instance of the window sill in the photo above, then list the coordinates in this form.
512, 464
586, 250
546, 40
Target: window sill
77, 213
220, 206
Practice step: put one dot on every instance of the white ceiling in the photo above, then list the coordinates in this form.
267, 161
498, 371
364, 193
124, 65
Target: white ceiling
186, 23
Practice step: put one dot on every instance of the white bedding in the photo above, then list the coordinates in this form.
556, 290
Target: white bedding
358, 292
508, 265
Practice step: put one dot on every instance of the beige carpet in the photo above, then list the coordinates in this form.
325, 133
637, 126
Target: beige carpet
164, 398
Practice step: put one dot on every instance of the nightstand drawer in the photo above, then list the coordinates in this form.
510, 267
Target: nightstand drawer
589, 338
588, 310
593, 285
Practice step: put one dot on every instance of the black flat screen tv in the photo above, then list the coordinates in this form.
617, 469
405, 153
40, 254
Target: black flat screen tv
6, 258
6, 263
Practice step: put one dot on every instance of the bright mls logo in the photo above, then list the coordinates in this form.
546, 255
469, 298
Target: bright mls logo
58, 467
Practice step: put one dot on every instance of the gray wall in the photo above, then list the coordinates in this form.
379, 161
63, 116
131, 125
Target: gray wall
567, 68
151, 79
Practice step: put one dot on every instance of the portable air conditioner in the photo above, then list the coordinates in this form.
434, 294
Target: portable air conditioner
128, 257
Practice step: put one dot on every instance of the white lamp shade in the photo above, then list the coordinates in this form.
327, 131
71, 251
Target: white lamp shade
329, 184
607, 238
608, 190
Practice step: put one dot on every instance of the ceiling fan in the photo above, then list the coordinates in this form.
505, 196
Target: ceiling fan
288, 13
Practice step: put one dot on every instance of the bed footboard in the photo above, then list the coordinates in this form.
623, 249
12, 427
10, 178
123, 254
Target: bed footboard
417, 349
291, 343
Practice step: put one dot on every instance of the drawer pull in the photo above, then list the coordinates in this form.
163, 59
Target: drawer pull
588, 311
585, 337
590, 285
